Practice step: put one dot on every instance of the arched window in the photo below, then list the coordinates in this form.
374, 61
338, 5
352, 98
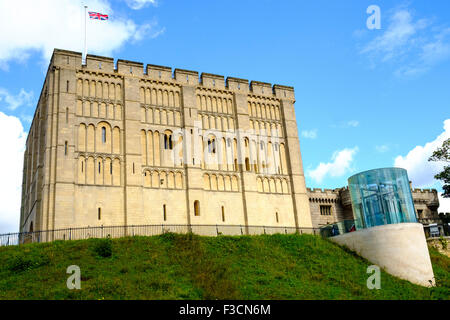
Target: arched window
168, 141
103, 134
247, 164
223, 214
276, 216
212, 145
196, 208
99, 213
164, 212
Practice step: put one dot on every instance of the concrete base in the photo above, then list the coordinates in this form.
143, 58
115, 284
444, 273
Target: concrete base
400, 249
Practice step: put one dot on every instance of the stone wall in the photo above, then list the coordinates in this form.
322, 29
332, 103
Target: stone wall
117, 143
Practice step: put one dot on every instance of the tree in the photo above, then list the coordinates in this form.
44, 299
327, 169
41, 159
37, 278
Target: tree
443, 154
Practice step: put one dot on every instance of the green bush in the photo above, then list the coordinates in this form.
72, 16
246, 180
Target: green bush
23, 262
443, 242
103, 247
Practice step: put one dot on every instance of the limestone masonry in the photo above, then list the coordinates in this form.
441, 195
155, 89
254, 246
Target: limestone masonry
118, 145
124, 145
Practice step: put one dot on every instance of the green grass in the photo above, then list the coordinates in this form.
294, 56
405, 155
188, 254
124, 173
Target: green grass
174, 266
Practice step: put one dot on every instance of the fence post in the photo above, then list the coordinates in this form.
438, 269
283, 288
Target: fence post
217, 230
241, 230
70, 233
264, 228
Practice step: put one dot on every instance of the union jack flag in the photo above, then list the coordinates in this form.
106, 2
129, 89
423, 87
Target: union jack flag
98, 16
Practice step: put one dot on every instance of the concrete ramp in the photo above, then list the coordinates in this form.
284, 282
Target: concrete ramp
400, 249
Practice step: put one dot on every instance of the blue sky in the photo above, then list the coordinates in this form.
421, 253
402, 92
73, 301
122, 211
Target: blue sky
364, 98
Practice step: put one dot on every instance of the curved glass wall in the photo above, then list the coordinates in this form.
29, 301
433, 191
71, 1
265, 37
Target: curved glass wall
381, 196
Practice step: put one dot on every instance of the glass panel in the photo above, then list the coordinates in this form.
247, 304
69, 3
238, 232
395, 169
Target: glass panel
381, 196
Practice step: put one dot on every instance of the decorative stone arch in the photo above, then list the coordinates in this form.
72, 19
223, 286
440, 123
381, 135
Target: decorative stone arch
272, 185
259, 185
103, 141
266, 187
234, 183
220, 183
171, 180
206, 182
163, 179
284, 186
213, 182
156, 182
90, 138
178, 180
82, 137
278, 187
227, 181
144, 151
116, 172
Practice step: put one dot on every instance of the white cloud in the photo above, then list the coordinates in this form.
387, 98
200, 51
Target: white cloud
11, 165
14, 101
421, 171
309, 134
148, 30
444, 203
382, 148
413, 45
398, 36
29, 26
139, 4
348, 124
340, 165
352, 123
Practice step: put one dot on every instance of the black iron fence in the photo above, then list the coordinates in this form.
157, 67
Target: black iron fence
144, 230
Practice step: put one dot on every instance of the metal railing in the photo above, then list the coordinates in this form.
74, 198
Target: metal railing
8, 239
338, 228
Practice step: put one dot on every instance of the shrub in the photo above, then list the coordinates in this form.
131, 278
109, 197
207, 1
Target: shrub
23, 262
103, 247
443, 242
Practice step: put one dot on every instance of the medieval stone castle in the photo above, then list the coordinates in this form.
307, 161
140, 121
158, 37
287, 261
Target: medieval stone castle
120, 144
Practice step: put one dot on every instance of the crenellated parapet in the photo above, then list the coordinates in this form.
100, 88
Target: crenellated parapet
100, 64
320, 195
428, 197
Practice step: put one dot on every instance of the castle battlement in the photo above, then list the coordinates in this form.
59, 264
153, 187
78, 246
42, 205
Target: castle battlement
424, 190
100, 64
324, 191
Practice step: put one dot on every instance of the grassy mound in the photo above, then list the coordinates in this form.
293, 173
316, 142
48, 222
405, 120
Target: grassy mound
173, 266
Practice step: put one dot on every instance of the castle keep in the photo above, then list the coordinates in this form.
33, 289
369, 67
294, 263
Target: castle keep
120, 144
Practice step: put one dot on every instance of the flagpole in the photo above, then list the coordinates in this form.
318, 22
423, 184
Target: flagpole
85, 43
